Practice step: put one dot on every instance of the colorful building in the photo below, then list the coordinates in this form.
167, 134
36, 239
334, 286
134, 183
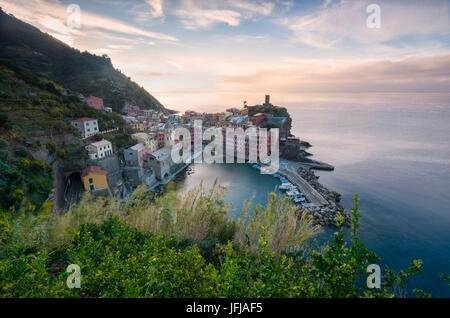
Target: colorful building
257, 119
147, 139
139, 126
94, 178
134, 156
95, 102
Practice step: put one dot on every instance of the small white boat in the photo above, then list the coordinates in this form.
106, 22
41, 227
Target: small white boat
299, 199
286, 186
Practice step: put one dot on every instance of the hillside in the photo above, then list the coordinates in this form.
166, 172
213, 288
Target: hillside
80, 72
34, 115
33, 107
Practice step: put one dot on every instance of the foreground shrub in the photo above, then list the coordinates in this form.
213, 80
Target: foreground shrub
117, 258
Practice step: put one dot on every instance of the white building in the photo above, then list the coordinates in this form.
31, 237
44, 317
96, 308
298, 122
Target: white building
99, 149
86, 126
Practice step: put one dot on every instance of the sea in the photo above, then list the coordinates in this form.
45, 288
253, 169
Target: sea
394, 152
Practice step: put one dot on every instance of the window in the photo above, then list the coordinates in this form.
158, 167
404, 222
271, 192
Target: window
90, 180
91, 187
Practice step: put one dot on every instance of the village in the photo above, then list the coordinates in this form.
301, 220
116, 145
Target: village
113, 173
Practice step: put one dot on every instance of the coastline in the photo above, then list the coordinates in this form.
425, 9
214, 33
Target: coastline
324, 205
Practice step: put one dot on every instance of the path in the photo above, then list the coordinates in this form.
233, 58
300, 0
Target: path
289, 170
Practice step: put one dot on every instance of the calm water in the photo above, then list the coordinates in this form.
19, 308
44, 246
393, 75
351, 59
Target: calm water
395, 153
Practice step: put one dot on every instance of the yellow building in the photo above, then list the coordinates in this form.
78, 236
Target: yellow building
94, 178
138, 126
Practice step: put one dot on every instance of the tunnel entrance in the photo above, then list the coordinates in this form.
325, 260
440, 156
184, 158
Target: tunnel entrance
73, 191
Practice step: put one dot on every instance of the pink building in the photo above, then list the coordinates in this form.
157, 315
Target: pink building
95, 102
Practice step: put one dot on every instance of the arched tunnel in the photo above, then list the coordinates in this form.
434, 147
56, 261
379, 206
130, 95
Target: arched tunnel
73, 190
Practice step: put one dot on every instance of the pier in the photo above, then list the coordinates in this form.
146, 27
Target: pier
289, 170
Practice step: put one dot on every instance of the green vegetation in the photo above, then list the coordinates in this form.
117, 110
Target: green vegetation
81, 72
24, 183
34, 107
276, 111
184, 246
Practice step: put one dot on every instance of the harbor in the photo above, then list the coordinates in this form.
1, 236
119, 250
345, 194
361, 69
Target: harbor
244, 182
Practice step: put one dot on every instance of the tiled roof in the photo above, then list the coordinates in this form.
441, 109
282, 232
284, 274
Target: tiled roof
92, 169
82, 119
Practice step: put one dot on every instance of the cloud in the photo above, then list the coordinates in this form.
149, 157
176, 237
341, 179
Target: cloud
171, 63
148, 12
413, 74
252, 8
334, 24
51, 15
156, 8
153, 73
205, 14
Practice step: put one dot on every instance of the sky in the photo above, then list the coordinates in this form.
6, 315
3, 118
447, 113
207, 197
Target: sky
196, 54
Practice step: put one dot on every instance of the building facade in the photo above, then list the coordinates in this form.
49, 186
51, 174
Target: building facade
95, 102
94, 178
148, 139
161, 162
99, 149
134, 156
86, 126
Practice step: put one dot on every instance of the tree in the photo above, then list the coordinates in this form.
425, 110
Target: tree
5, 122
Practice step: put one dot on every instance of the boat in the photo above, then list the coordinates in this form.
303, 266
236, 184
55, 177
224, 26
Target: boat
299, 199
286, 186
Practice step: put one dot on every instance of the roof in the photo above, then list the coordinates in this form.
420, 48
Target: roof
83, 119
279, 118
95, 102
140, 135
101, 143
162, 154
138, 147
92, 169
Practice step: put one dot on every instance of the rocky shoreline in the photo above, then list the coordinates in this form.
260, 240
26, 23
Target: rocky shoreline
324, 215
